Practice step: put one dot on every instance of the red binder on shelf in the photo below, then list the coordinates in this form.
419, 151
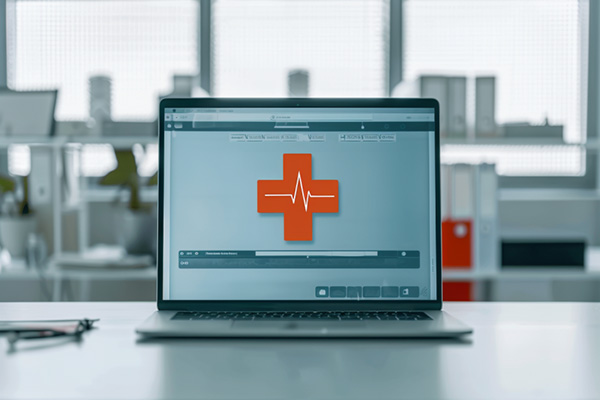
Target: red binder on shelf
457, 243
457, 228
458, 291
457, 240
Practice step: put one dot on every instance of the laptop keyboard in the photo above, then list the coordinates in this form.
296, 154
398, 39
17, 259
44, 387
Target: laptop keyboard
302, 315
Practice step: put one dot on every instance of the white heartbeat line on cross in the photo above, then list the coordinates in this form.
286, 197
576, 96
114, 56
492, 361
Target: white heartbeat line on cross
305, 199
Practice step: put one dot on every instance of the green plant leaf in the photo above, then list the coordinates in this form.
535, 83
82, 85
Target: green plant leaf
7, 184
153, 181
125, 172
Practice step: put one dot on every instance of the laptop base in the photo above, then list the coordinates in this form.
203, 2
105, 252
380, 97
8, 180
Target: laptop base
441, 325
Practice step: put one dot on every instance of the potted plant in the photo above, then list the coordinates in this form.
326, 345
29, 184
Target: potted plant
136, 222
17, 220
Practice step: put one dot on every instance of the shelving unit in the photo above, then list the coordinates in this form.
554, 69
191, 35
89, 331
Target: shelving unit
127, 141
90, 195
503, 141
489, 283
109, 194
522, 274
56, 145
118, 142
60, 141
106, 194
526, 194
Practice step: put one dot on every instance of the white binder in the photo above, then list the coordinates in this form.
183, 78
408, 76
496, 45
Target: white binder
485, 106
457, 106
487, 241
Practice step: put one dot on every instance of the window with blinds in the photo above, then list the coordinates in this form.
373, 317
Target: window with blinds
342, 44
537, 49
140, 45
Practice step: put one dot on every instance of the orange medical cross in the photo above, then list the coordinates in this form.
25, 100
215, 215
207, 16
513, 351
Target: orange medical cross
297, 196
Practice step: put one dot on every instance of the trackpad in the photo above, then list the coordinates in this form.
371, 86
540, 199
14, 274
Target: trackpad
298, 325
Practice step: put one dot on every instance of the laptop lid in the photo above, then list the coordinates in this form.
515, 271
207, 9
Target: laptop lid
299, 204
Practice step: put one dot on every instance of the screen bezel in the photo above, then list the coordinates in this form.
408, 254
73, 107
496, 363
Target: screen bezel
297, 305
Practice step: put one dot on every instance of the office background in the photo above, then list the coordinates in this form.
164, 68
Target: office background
518, 81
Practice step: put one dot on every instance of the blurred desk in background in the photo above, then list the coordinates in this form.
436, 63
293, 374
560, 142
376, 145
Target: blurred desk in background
524, 284
58, 284
106, 284
533, 283
87, 277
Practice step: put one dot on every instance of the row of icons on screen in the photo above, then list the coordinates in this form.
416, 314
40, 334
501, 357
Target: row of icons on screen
366, 291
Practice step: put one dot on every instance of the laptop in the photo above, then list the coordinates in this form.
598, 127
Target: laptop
299, 218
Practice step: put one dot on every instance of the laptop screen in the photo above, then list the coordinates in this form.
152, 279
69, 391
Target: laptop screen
299, 204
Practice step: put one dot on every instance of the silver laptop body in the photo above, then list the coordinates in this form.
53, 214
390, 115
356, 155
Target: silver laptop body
299, 218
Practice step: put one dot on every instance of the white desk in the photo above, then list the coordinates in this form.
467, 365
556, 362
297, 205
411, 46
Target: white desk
518, 350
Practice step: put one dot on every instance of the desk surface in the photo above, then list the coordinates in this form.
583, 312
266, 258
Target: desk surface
518, 350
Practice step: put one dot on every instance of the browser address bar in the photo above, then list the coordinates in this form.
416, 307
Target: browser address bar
206, 117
